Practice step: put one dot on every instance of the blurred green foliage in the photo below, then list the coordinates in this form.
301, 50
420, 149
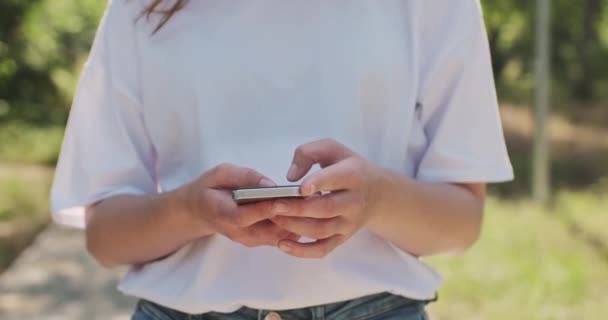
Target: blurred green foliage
579, 48
43, 44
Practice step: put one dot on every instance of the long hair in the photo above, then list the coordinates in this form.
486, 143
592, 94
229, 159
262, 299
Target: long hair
166, 11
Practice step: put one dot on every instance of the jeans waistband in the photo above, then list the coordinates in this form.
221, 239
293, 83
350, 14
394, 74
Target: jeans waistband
356, 309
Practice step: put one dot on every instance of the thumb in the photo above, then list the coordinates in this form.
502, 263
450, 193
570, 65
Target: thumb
266, 182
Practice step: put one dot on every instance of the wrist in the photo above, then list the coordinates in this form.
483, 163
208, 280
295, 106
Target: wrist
179, 205
388, 191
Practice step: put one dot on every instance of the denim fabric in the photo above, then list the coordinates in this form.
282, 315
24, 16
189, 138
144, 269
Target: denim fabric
383, 306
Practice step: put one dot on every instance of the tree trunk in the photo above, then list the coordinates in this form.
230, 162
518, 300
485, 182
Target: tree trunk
541, 177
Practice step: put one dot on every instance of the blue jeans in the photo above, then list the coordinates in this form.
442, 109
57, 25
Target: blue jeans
383, 306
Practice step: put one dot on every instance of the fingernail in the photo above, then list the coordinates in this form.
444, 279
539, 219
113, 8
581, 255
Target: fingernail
292, 172
284, 247
280, 207
265, 182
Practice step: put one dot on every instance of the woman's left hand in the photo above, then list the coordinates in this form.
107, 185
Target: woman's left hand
353, 185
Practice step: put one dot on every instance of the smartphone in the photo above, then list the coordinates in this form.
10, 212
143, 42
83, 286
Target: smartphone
250, 195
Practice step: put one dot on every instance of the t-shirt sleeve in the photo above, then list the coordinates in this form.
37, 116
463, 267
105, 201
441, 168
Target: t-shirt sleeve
459, 110
106, 149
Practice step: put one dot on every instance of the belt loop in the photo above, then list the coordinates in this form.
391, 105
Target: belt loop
318, 313
434, 299
260, 314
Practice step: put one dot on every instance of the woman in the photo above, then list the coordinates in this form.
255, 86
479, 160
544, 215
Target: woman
393, 100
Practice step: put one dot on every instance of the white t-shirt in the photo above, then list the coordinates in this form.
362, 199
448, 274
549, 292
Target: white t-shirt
405, 83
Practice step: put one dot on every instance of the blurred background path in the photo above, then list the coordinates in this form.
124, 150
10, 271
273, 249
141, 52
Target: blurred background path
55, 279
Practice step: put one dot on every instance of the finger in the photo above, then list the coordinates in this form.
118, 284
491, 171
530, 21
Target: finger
228, 212
230, 176
311, 227
249, 214
290, 236
346, 174
268, 233
317, 249
293, 237
323, 152
259, 234
326, 206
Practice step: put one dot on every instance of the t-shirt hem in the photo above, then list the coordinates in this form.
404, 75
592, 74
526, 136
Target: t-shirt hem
73, 214
236, 306
466, 176
70, 217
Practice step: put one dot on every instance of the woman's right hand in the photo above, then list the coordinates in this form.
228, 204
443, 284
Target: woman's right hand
208, 202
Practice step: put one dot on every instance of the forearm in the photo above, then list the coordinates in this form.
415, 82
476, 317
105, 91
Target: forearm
427, 218
135, 229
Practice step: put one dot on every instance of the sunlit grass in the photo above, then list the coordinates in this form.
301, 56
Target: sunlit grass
24, 191
24, 203
23, 143
529, 264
